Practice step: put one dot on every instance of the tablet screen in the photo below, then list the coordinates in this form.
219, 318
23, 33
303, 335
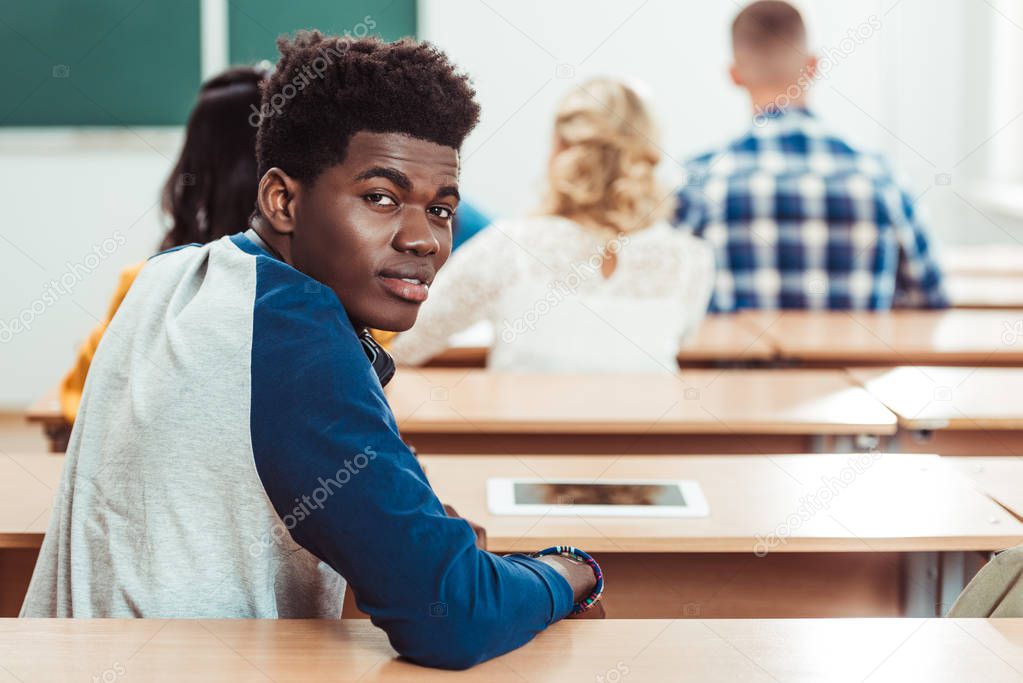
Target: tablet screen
529, 493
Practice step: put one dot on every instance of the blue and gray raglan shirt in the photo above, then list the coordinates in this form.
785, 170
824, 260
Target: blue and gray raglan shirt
235, 456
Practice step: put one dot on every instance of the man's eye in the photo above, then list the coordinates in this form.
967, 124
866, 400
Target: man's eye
379, 199
442, 212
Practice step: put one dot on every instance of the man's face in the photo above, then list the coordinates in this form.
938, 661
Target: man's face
377, 228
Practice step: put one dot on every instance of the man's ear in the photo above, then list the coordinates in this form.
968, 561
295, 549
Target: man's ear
276, 199
733, 71
810, 69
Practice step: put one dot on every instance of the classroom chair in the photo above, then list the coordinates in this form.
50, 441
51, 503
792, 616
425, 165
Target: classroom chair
996, 590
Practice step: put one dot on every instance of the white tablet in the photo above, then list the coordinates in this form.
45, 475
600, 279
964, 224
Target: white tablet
610, 498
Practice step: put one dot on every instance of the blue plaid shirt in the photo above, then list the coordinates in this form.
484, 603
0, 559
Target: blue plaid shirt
799, 219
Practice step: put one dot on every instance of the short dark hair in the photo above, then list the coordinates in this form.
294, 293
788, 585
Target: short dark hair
212, 189
327, 88
767, 25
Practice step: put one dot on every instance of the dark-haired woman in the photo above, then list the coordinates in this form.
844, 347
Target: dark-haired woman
211, 192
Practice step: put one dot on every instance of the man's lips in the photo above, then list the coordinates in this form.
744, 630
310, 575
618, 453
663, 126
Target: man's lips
409, 281
410, 289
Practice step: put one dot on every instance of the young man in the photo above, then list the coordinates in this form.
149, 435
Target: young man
797, 217
234, 454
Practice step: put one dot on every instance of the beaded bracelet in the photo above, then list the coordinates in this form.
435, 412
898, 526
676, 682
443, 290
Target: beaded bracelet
580, 556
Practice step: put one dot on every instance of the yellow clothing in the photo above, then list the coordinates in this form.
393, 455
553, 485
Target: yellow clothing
383, 337
73, 383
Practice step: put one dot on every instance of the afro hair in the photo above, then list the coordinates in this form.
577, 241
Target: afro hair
327, 88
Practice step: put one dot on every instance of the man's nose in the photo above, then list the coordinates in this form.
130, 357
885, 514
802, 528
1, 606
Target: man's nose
415, 235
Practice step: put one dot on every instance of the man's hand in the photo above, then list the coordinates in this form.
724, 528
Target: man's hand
481, 533
595, 612
580, 577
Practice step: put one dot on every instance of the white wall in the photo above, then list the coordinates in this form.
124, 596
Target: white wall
1007, 41
916, 88
79, 206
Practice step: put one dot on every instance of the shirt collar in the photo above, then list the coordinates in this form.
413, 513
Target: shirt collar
253, 236
775, 112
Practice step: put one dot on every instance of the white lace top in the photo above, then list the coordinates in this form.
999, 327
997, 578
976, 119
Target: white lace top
538, 281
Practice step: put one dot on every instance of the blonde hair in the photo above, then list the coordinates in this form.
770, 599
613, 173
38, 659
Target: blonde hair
603, 167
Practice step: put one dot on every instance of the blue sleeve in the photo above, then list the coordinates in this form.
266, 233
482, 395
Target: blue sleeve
320, 421
690, 209
691, 215
919, 281
468, 221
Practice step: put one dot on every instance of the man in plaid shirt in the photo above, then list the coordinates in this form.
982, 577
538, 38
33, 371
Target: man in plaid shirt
798, 218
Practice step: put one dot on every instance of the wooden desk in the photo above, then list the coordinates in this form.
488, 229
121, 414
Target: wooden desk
892, 502
46, 413
28, 484
952, 410
986, 291
715, 411
468, 349
983, 259
838, 338
720, 340
760, 651
999, 478
870, 521
726, 339
822, 535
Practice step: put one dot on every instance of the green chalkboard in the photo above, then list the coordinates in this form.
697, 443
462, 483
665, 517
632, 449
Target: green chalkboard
254, 25
98, 62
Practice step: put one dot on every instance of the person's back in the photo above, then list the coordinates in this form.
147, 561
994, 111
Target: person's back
598, 283
797, 217
538, 282
159, 541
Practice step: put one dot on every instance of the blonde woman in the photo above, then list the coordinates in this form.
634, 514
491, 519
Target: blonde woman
598, 282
